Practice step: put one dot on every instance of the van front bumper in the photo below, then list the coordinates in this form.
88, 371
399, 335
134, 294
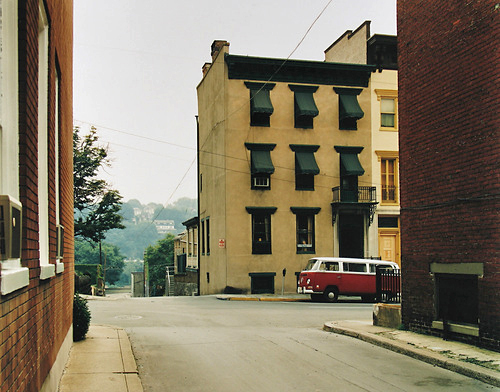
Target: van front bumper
306, 290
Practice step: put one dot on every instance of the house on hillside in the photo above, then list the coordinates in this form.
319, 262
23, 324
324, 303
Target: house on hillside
295, 159
449, 152
186, 259
36, 193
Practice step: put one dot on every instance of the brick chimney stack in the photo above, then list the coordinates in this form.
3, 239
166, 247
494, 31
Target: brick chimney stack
217, 46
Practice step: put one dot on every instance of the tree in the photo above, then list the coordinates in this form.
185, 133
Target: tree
88, 253
158, 257
97, 206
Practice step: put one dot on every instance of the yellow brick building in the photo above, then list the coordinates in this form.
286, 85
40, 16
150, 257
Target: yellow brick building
287, 167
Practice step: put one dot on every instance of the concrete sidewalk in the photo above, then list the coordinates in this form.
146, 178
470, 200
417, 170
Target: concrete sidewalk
102, 362
471, 361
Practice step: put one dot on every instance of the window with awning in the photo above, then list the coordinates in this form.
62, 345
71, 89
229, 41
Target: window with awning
351, 165
261, 165
305, 108
350, 170
261, 107
349, 110
305, 166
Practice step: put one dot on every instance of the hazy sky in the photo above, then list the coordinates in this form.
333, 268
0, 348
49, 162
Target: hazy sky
137, 64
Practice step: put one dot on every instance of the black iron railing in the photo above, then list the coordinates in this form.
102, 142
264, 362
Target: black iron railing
388, 283
363, 194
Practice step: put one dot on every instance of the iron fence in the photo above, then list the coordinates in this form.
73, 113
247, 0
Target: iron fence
388, 284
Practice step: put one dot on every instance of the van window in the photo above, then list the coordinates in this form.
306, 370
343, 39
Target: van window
373, 267
329, 266
355, 267
310, 264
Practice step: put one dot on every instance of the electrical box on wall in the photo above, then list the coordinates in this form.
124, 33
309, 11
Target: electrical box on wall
10, 227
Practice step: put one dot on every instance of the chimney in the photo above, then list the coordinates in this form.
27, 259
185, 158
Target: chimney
217, 46
205, 68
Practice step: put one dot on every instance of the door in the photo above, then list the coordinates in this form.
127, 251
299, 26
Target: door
388, 246
351, 235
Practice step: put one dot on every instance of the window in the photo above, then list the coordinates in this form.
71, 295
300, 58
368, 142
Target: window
261, 229
329, 266
349, 110
207, 221
388, 176
305, 236
13, 275
389, 189
388, 112
305, 166
261, 165
203, 237
46, 269
305, 108
350, 170
388, 109
59, 227
261, 107
354, 267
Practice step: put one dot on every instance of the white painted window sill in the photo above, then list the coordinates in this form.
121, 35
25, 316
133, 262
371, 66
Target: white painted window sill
47, 271
13, 279
457, 328
59, 267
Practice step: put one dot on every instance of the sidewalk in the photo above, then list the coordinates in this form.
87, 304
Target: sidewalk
471, 361
101, 362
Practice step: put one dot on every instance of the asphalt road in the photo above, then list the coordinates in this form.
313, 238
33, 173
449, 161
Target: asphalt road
205, 344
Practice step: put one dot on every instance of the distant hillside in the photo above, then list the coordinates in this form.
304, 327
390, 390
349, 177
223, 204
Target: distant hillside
146, 224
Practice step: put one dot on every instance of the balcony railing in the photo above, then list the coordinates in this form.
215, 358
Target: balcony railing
364, 194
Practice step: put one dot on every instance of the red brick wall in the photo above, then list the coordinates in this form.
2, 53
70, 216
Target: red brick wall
35, 320
449, 83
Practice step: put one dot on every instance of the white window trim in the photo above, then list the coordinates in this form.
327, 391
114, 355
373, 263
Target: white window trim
47, 270
59, 264
13, 275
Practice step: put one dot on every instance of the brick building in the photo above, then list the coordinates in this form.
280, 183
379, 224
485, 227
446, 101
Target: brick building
36, 193
449, 123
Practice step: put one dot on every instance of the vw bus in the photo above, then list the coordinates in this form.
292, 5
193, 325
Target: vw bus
325, 278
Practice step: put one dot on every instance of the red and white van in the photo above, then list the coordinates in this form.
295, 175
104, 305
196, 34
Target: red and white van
327, 277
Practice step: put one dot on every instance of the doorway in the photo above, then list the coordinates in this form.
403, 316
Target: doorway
351, 235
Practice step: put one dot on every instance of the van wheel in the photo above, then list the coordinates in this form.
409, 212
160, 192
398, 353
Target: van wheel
368, 298
331, 294
316, 297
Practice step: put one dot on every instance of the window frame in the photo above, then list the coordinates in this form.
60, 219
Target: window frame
304, 121
388, 94
258, 119
307, 213
304, 182
388, 156
261, 216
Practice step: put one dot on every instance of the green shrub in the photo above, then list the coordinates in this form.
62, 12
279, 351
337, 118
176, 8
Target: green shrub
81, 318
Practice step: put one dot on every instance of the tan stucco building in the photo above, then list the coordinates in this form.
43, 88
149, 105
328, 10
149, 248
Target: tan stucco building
288, 167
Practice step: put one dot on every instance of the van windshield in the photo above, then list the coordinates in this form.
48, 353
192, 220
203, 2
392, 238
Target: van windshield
310, 265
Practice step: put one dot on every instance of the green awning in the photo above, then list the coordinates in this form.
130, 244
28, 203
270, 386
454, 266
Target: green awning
305, 105
261, 162
305, 163
351, 165
260, 102
349, 107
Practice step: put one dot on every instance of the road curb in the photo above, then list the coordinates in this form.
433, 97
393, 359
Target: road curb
470, 370
263, 299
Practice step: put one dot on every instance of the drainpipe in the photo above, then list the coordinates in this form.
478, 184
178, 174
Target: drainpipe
198, 198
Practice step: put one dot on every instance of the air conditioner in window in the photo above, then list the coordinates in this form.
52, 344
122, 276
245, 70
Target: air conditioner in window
60, 241
261, 182
10, 227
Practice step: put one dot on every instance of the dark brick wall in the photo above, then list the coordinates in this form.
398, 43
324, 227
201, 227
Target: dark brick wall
449, 124
35, 320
